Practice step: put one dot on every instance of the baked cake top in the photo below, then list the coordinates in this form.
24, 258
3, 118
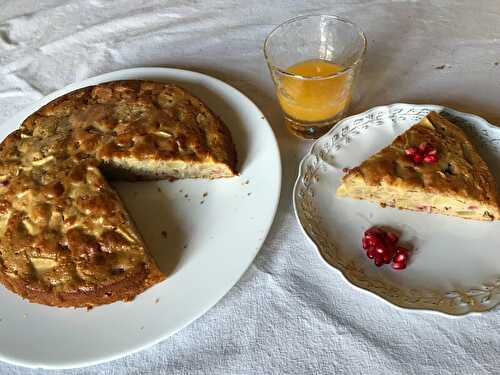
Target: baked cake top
136, 119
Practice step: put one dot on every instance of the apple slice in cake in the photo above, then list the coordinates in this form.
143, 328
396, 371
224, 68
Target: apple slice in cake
432, 167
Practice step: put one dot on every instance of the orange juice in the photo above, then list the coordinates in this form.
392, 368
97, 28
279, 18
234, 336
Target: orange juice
318, 99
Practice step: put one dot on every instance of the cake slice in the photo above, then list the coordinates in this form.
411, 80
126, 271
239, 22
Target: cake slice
432, 167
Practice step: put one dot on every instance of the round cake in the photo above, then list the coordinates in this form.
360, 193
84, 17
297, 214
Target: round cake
65, 237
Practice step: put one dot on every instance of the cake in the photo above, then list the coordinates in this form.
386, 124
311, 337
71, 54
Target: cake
65, 237
432, 167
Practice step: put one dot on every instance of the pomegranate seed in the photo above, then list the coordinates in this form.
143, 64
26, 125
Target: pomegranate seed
378, 260
364, 242
411, 151
418, 158
374, 231
380, 246
387, 257
402, 250
423, 146
388, 246
374, 242
425, 152
399, 265
430, 159
371, 236
392, 237
399, 258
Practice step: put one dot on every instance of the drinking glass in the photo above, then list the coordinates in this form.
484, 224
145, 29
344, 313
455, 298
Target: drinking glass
314, 62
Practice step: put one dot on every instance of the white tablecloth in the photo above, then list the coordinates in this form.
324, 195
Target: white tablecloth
289, 313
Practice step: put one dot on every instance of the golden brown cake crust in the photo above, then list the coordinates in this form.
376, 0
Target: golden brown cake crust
65, 238
460, 174
143, 120
124, 290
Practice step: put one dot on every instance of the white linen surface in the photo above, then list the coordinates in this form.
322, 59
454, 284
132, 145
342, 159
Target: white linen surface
289, 313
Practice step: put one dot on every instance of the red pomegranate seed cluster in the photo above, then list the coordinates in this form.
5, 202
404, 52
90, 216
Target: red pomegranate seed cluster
381, 246
424, 153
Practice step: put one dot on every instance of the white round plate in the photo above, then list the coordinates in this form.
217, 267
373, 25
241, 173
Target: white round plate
455, 266
213, 231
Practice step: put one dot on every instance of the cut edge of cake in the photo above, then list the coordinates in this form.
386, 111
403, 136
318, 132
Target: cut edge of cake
132, 169
473, 210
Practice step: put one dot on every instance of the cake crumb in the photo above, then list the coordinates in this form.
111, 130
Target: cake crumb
157, 300
164, 233
159, 190
249, 194
185, 195
496, 63
247, 182
201, 202
440, 67
89, 308
142, 328
205, 194
185, 246
180, 191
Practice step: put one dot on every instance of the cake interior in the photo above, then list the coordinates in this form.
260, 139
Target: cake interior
133, 169
391, 196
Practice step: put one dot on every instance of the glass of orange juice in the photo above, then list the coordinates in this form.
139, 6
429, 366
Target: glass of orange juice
314, 61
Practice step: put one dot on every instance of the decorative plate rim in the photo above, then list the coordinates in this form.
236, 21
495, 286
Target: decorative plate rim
346, 278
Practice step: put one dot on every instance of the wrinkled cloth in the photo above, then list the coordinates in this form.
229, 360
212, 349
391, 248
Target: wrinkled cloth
290, 313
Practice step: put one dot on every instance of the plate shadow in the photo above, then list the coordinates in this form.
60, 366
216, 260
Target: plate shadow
155, 217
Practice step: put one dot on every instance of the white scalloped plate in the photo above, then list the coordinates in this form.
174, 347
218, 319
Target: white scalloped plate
214, 229
455, 268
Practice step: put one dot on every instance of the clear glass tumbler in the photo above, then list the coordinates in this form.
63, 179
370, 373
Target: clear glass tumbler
314, 61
